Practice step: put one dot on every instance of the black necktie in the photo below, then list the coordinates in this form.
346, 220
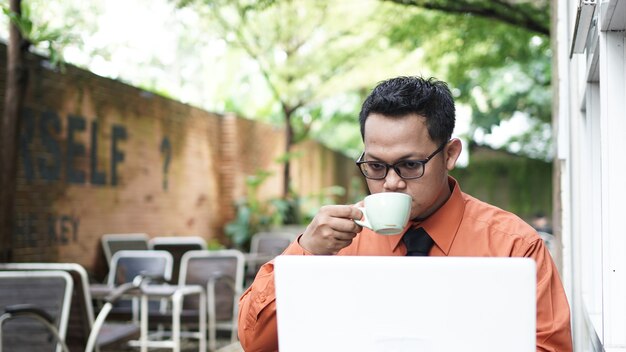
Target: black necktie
417, 242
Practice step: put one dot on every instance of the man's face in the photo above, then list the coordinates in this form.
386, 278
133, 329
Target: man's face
392, 139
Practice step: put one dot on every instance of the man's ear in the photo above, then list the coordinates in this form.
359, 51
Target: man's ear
452, 152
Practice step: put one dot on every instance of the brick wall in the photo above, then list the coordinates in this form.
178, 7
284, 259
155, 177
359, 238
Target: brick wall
98, 156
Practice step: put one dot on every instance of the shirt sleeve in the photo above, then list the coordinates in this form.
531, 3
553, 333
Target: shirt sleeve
257, 308
553, 311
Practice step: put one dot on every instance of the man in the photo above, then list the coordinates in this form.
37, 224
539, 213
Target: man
540, 223
406, 125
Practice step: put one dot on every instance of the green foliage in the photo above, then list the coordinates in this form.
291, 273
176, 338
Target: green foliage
532, 15
496, 57
313, 202
517, 184
536, 142
254, 214
474, 52
335, 123
283, 158
317, 59
213, 244
496, 68
41, 35
304, 51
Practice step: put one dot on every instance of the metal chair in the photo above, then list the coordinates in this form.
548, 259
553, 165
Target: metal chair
271, 242
112, 243
81, 317
222, 273
126, 265
156, 266
35, 305
177, 246
264, 246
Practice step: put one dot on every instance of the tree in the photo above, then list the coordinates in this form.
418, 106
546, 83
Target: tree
499, 68
303, 50
23, 35
495, 55
9, 135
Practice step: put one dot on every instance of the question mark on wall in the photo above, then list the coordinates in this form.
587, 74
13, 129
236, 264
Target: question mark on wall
166, 150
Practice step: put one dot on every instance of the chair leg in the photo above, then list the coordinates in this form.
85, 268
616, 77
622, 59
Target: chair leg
176, 306
144, 324
233, 332
211, 313
202, 323
3, 317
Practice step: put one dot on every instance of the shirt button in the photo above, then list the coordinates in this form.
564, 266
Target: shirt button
262, 298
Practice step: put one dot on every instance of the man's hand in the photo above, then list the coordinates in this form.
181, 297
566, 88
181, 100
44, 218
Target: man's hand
332, 229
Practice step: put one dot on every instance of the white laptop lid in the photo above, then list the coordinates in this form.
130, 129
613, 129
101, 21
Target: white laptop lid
363, 303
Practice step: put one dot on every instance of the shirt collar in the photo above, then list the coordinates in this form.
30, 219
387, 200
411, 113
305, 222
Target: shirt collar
443, 224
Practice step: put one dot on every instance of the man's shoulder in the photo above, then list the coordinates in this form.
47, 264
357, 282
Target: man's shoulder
496, 220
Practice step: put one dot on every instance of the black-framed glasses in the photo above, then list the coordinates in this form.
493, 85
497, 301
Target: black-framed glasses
406, 169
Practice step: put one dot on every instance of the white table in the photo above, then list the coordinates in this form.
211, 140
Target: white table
169, 292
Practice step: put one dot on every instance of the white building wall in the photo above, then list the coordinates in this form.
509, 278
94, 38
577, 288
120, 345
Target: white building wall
590, 121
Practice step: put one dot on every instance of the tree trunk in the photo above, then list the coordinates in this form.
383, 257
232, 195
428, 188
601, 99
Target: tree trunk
288, 143
9, 134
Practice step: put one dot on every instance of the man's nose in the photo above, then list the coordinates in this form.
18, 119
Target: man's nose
393, 181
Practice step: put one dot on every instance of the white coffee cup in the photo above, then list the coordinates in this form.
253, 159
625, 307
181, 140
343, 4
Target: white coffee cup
386, 213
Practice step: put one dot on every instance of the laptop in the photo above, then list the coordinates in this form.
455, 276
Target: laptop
393, 304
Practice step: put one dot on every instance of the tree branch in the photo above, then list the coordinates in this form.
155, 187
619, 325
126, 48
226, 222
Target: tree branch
534, 19
241, 40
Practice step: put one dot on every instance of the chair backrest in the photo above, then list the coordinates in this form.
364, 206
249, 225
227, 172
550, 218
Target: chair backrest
48, 290
112, 243
177, 246
127, 264
198, 267
81, 316
295, 229
273, 243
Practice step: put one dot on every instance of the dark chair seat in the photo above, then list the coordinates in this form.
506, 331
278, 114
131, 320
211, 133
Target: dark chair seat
188, 317
114, 336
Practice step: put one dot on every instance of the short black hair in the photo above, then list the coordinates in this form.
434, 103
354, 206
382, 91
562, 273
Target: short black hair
400, 96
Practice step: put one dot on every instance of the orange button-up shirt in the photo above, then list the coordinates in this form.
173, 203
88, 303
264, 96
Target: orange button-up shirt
463, 226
